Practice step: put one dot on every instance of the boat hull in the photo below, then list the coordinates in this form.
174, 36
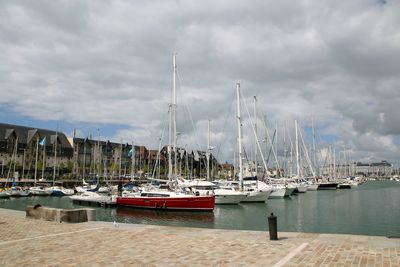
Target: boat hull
4, 194
328, 186
289, 191
301, 188
278, 193
201, 203
312, 187
256, 196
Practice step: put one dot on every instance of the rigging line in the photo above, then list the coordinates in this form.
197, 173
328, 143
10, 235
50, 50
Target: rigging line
180, 89
255, 135
305, 151
270, 149
159, 145
219, 146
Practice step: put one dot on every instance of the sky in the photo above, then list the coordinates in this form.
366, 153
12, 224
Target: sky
105, 68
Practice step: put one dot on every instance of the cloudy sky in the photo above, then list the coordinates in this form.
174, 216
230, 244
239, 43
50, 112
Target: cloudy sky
108, 65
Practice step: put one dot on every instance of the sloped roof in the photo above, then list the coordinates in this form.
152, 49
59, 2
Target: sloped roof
25, 134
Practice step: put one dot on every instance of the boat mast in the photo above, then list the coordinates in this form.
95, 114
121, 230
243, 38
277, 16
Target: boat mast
239, 136
36, 159
314, 149
55, 157
169, 143
297, 151
120, 160
174, 112
208, 152
255, 141
133, 161
44, 157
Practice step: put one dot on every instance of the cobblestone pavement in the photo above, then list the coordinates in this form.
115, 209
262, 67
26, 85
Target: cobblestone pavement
30, 242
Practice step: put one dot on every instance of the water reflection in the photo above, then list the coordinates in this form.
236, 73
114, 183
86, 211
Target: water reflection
145, 215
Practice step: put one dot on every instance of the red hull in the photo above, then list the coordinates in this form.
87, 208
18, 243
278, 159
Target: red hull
173, 203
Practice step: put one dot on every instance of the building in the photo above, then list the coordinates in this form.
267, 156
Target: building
25, 151
374, 169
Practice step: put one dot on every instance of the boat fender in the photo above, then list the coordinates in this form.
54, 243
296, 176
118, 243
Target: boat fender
164, 206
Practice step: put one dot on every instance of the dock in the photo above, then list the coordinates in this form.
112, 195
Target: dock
30, 242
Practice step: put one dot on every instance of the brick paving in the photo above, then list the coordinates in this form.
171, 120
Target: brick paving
30, 242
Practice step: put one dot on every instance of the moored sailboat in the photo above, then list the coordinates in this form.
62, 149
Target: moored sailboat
169, 200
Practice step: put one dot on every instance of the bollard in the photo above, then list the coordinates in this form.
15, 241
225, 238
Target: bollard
273, 227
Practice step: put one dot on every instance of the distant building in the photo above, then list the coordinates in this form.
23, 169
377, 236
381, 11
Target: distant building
375, 169
20, 151
226, 170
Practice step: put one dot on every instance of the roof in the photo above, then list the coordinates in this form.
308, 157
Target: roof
25, 134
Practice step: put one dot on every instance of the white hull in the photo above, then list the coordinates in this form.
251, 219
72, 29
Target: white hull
94, 197
312, 187
302, 188
278, 193
4, 194
36, 191
289, 191
227, 199
256, 196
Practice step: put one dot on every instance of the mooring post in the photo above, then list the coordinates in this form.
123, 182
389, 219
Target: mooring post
273, 227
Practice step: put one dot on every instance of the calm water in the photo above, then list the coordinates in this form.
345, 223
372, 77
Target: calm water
371, 209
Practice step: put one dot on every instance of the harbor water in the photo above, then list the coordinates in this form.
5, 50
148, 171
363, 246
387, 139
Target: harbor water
369, 209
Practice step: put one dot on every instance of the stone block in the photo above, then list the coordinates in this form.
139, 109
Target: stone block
61, 215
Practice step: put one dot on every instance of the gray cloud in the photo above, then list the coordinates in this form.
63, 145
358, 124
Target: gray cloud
110, 62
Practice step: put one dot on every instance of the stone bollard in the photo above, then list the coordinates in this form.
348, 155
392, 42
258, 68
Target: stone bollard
273, 227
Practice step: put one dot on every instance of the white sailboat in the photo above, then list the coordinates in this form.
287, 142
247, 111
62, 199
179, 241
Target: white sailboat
253, 193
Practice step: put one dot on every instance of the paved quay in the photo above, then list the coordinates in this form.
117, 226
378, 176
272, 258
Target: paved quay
30, 242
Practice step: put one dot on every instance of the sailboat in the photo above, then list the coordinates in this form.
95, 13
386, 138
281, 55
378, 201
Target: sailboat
169, 200
58, 191
253, 192
35, 189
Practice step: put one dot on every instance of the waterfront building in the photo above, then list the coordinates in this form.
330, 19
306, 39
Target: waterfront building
374, 169
88, 158
226, 170
24, 148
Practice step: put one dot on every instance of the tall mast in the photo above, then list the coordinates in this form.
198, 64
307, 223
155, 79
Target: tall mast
169, 143
239, 136
36, 159
174, 112
266, 138
255, 141
284, 149
120, 160
133, 161
55, 157
297, 151
314, 150
208, 152
44, 158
